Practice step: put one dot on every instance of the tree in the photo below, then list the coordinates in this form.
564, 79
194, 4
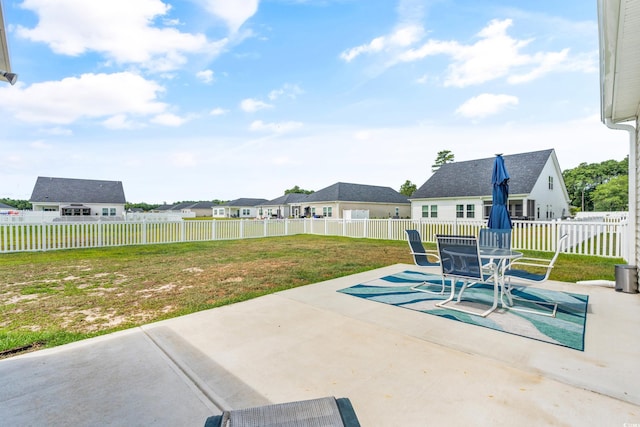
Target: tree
297, 189
444, 156
408, 188
583, 180
613, 195
18, 204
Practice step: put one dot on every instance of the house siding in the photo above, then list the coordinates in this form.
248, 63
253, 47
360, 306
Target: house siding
549, 203
636, 213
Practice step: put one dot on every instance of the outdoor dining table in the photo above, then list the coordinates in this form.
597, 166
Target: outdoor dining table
501, 257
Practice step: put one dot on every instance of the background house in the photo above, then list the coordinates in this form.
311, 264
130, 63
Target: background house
288, 205
239, 208
79, 197
341, 199
200, 209
463, 189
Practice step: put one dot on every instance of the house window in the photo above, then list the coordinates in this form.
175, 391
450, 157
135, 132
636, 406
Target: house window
471, 211
327, 211
434, 211
246, 212
459, 211
425, 211
105, 211
112, 211
550, 183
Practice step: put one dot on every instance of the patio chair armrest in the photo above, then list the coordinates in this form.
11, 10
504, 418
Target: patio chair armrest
427, 253
531, 262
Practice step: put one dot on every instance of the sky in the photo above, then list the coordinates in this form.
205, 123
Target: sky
217, 99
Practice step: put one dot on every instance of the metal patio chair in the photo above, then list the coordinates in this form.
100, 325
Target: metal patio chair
423, 258
527, 271
460, 260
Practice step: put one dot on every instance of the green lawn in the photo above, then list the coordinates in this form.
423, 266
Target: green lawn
51, 298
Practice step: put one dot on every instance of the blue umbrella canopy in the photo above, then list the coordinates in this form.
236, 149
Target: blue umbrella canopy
499, 215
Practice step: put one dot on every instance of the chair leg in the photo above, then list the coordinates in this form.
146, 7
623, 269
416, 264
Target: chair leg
443, 304
506, 290
427, 291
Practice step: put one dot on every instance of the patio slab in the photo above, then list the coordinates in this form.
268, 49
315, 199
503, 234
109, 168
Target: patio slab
397, 366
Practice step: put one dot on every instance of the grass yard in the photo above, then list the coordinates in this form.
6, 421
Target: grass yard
51, 298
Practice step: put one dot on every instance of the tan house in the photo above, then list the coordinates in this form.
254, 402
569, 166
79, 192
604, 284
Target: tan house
341, 199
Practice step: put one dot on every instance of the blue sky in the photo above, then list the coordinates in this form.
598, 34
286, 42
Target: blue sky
218, 99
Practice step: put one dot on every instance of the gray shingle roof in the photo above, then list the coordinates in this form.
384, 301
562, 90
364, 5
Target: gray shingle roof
286, 199
202, 205
473, 178
345, 192
245, 202
69, 190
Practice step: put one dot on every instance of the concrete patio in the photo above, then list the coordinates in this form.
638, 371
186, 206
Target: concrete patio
398, 367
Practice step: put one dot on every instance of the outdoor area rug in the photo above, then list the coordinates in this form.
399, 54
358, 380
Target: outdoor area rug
566, 329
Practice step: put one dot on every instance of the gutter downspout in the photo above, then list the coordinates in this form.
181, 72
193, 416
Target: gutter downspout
633, 176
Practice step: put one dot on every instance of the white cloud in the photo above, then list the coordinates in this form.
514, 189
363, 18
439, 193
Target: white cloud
119, 29
41, 145
169, 119
218, 111
289, 90
87, 96
234, 12
494, 55
402, 37
205, 75
251, 105
485, 105
282, 127
120, 121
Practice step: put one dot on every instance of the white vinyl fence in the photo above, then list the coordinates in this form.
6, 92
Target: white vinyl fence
600, 238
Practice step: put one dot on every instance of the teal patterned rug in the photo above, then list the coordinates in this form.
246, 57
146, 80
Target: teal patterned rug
566, 329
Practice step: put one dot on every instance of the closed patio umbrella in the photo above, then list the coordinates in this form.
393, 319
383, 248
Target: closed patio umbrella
499, 215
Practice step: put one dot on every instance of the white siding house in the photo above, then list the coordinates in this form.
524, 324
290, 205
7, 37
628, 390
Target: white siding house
239, 208
79, 197
463, 189
286, 206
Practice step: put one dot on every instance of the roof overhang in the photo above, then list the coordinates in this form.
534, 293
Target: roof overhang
5, 64
619, 33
